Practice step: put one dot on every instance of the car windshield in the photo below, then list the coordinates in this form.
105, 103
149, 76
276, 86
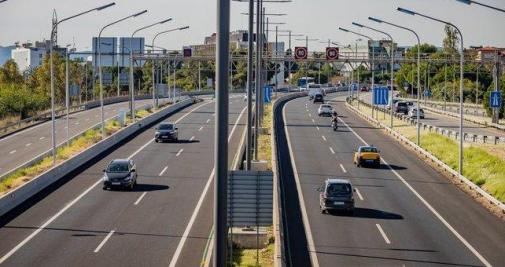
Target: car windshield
118, 167
338, 189
368, 150
166, 127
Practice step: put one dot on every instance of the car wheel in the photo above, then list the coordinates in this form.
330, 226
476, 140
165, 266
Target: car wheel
104, 188
156, 140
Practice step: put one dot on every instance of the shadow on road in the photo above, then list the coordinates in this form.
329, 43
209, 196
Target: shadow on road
372, 214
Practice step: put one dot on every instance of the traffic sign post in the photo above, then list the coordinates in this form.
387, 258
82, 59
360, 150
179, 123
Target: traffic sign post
187, 52
495, 100
332, 53
267, 96
301, 52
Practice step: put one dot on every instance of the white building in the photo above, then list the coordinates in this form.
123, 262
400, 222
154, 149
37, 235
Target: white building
28, 58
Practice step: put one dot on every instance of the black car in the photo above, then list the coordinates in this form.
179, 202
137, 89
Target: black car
166, 131
120, 173
402, 107
318, 98
336, 195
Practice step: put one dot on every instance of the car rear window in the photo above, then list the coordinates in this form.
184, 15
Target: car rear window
369, 149
402, 104
117, 167
338, 189
327, 106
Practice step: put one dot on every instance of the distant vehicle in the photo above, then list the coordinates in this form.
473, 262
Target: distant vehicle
401, 107
120, 173
325, 110
394, 103
166, 131
367, 155
413, 113
302, 82
364, 89
336, 195
318, 98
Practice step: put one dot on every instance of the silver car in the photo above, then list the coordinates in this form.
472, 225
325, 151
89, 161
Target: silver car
413, 113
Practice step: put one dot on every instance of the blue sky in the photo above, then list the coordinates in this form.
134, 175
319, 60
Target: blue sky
23, 20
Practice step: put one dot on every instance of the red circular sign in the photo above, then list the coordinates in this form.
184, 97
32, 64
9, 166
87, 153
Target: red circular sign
301, 52
331, 53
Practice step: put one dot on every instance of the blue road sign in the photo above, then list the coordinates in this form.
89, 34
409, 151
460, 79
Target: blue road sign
495, 101
380, 95
427, 92
354, 87
267, 94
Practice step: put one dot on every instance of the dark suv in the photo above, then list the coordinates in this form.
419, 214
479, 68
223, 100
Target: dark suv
120, 173
402, 107
166, 131
318, 97
336, 195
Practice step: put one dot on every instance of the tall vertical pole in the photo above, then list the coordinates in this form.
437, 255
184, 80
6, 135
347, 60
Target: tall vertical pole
221, 133
477, 87
258, 74
392, 77
199, 76
250, 51
289, 63
53, 130
262, 73
307, 64
445, 86
276, 47
153, 69
175, 68
132, 84
461, 96
118, 75
102, 126
67, 100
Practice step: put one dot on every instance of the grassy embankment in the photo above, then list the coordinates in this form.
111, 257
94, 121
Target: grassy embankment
484, 164
90, 137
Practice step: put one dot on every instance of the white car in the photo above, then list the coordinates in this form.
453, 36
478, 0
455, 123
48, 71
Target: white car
325, 110
413, 113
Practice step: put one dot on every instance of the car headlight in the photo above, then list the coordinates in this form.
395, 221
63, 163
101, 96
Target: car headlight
157, 133
128, 178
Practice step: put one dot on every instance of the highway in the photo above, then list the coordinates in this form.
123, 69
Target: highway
450, 123
26, 144
166, 220
406, 212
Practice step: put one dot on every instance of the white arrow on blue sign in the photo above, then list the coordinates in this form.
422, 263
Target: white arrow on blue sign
380, 95
495, 100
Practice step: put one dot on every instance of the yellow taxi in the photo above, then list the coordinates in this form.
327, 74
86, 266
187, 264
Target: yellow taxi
367, 155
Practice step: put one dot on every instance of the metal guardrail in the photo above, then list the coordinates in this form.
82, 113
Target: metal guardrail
468, 137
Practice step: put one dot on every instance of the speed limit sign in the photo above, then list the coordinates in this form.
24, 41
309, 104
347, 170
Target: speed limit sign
331, 53
301, 52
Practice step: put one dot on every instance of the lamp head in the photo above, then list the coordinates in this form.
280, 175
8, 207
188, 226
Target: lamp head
105, 6
344, 30
140, 13
375, 19
183, 28
357, 24
406, 11
164, 21
465, 1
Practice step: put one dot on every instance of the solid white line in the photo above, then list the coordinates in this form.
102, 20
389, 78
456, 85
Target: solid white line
192, 138
140, 198
428, 205
103, 241
324, 137
342, 167
163, 171
331, 150
359, 194
306, 224
201, 128
71, 203
185, 235
179, 153
29, 144
383, 234
42, 138
12, 152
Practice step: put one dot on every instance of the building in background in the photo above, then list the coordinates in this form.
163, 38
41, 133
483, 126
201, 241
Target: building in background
29, 56
238, 40
5, 53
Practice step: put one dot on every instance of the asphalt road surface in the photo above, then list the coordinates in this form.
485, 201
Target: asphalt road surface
450, 123
24, 145
165, 221
406, 212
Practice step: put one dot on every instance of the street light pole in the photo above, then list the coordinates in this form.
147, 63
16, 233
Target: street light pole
259, 50
250, 51
461, 136
392, 63
53, 28
221, 133
418, 125
132, 86
155, 97
102, 119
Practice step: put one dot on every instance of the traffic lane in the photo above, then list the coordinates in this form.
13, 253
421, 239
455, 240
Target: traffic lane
443, 196
402, 239
198, 236
20, 223
26, 144
174, 207
391, 212
450, 123
315, 163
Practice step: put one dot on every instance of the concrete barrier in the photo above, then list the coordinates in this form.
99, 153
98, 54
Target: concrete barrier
17, 196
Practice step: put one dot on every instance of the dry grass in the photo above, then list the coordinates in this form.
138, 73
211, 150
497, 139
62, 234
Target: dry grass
264, 140
247, 257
